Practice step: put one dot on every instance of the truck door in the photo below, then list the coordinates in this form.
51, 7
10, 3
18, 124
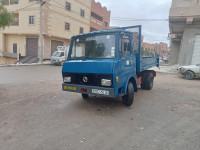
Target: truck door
126, 58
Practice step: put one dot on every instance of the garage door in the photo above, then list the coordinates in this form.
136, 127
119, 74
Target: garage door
196, 52
54, 45
32, 47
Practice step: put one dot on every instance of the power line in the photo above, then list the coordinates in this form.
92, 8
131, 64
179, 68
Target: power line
26, 6
113, 18
150, 20
64, 8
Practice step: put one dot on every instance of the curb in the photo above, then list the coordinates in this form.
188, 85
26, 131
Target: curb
17, 65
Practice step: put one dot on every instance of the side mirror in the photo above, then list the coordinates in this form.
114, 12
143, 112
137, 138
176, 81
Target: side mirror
122, 34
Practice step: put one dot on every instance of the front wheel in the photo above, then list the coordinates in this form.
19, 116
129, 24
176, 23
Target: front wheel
85, 96
188, 75
129, 97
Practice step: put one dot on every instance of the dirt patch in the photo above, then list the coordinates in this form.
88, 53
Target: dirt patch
5, 60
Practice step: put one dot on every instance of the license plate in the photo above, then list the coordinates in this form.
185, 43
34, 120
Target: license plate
100, 92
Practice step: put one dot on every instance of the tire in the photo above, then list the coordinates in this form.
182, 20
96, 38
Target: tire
147, 81
85, 96
129, 98
188, 75
143, 85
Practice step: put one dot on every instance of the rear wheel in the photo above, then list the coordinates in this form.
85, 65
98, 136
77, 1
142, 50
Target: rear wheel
129, 98
85, 96
188, 75
143, 84
147, 81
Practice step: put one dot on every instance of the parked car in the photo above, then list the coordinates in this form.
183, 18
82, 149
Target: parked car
166, 59
59, 56
190, 72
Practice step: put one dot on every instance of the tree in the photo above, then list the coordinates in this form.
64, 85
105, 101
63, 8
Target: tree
6, 18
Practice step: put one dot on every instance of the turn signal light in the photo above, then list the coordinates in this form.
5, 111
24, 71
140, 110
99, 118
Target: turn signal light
117, 79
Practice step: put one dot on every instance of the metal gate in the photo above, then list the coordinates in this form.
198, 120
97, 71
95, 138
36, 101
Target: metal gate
54, 45
196, 51
32, 47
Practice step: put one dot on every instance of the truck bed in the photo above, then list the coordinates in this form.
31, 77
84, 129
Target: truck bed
148, 62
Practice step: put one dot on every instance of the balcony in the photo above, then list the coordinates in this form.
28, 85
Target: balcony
185, 11
16, 20
96, 21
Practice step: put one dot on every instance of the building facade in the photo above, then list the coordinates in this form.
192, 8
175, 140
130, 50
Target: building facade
162, 49
158, 49
61, 20
100, 17
184, 23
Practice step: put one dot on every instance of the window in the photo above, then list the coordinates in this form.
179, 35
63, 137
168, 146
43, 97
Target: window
94, 15
14, 48
125, 46
31, 20
67, 26
14, 2
16, 20
68, 6
105, 24
62, 54
82, 13
81, 30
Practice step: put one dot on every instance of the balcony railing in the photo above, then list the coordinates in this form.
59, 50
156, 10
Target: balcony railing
96, 21
15, 23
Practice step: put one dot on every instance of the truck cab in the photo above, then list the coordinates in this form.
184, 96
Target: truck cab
107, 63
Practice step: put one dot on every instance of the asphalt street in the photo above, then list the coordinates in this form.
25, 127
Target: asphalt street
35, 114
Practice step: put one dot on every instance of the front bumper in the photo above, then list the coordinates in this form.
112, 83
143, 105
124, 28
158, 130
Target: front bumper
181, 71
92, 90
55, 62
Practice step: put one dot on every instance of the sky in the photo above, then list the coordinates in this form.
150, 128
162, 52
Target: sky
153, 31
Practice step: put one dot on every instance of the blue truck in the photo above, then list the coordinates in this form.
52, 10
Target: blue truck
108, 63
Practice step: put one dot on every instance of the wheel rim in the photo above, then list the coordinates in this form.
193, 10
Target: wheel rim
188, 75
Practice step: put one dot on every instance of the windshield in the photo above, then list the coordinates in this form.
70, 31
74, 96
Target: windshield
93, 47
56, 53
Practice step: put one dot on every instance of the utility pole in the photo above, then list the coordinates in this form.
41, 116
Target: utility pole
40, 51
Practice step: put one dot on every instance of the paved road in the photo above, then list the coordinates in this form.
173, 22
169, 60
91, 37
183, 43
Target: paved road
37, 115
25, 74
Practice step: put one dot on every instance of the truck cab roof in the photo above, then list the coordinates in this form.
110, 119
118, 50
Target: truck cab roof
101, 32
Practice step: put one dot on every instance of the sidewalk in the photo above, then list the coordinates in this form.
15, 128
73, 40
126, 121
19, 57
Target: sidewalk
9, 62
167, 69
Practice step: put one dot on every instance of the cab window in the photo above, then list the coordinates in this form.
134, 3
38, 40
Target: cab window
62, 54
125, 46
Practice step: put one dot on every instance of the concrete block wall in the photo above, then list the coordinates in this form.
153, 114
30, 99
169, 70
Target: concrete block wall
187, 45
174, 53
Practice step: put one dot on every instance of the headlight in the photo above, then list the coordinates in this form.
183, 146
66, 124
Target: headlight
105, 82
67, 79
